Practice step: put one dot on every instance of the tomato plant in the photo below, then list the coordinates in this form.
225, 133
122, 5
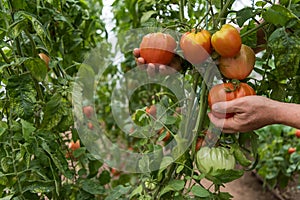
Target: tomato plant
240, 66
229, 91
158, 48
36, 97
196, 46
227, 41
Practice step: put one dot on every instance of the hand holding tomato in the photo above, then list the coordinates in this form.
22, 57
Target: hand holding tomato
253, 112
152, 69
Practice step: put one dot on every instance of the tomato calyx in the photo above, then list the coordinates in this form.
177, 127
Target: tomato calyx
236, 86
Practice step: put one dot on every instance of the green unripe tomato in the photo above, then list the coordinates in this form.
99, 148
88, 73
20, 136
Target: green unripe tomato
210, 160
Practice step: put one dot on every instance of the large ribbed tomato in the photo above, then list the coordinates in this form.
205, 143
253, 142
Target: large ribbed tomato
158, 48
240, 66
227, 41
196, 46
227, 92
211, 160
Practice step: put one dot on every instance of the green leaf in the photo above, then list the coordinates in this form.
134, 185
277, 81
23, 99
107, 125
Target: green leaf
104, 177
27, 129
3, 127
280, 15
224, 196
146, 15
3, 179
144, 164
22, 94
174, 185
200, 191
94, 166
225, 176
136, 191
37, 68
5, 164
92, 187
117, 192
179, 169
244, 14
7, 197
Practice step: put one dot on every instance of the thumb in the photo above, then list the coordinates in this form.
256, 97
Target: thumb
223, 107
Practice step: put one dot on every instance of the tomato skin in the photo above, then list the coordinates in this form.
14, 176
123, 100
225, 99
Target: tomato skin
158, 48
291, 150
199, 143
168, 134
210, 160
88, 111
240, 66
73, 146
151, 110
45, 58
196, 46
220, 93
227, 41
297, 133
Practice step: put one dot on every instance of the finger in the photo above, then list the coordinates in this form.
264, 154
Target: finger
141, 63
166, 70
226, 125
136, 52
227, 106
151, 69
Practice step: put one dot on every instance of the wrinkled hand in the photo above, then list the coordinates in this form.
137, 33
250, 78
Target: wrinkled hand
250, 113
153, 69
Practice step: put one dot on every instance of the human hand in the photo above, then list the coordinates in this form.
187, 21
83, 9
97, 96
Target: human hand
152, 69
250, 113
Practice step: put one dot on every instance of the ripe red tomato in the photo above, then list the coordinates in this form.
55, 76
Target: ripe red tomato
199, 143
168, 134
297, 133
239, 66
73, 146
227, 92
196, 46
88, 111
90, 125
158, 48
291, 150
151, 111
227, 41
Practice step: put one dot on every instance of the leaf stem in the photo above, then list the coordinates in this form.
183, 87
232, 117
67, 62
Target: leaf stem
254, 29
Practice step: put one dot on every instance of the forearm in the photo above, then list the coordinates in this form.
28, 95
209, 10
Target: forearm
288, 114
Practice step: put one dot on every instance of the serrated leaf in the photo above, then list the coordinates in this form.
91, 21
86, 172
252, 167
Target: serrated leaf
280, 15
244, 14
200, 191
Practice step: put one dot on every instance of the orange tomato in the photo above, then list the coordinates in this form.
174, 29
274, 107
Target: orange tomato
227, 41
